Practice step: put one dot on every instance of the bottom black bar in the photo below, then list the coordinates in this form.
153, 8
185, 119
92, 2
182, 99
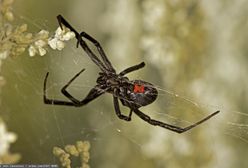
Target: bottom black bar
28, 166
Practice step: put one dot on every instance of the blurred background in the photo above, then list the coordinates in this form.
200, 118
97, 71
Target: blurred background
195, 54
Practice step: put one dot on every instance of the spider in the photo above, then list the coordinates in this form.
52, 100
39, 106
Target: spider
132, 93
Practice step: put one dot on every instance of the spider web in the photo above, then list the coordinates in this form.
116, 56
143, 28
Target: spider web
41, 127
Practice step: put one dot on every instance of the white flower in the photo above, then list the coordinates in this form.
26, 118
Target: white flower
40, 43
32, 51
54, 43
44, 34
64, 34
37, 48
5, 139
42, 51
58, 32
60, 45
60, 36
67, 36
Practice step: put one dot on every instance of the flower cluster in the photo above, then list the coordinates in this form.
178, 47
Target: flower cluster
15, 39
38, 46
61, 35
6, 138
55, 42
81, 150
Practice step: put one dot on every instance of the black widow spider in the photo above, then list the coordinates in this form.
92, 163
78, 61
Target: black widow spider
133, 94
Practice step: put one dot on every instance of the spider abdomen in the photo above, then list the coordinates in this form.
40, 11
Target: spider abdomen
139, 93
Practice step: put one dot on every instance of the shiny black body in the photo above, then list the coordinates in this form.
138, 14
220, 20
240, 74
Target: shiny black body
123, 88
116, 84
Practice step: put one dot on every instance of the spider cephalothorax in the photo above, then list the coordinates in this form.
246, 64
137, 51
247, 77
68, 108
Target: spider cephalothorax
132, 93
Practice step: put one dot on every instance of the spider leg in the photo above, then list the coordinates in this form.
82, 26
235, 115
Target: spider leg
132, 68
93, 94
117, 109
99, 48
52, 101
171, 127
82, 43
67, 94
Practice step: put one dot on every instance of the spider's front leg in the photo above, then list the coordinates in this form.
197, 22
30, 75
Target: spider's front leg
53, 101
82, 43
99, 49
117, 108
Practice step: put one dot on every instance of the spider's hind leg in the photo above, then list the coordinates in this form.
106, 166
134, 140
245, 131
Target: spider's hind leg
169, 126
118, 111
